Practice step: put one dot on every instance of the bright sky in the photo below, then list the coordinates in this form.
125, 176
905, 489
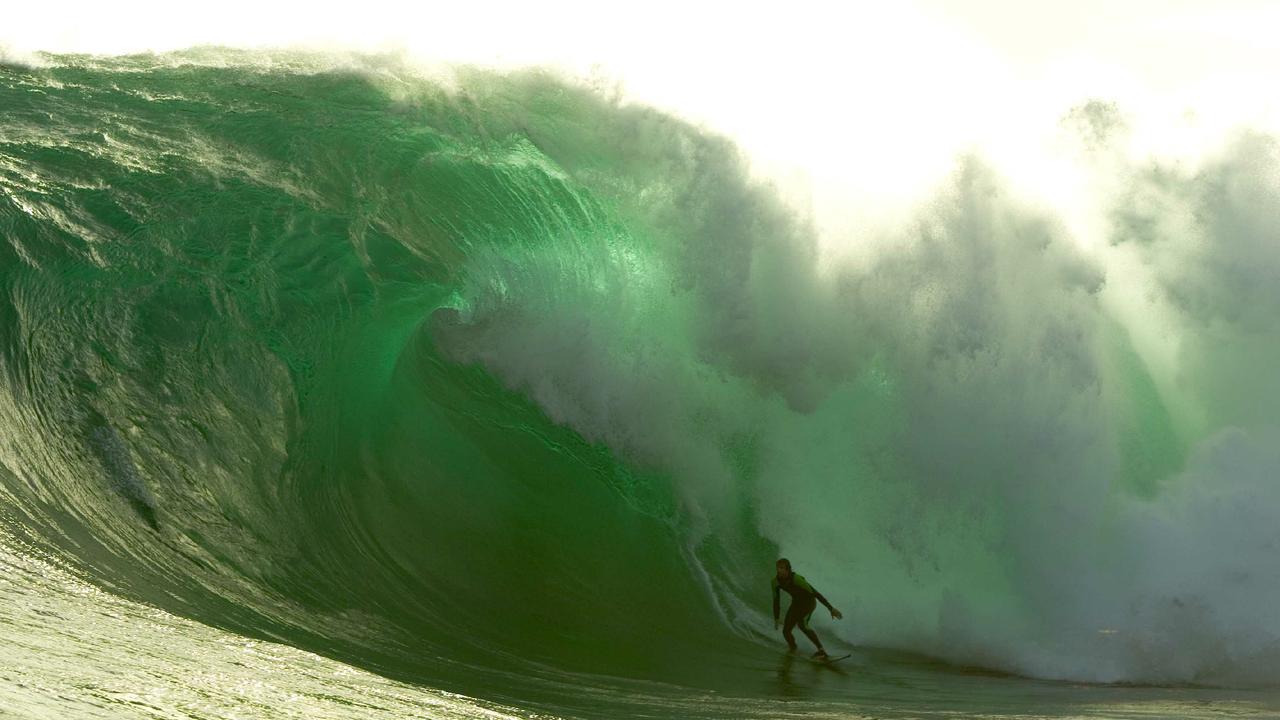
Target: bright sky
856, 106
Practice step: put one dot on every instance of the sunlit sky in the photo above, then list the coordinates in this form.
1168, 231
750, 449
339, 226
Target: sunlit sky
854, 107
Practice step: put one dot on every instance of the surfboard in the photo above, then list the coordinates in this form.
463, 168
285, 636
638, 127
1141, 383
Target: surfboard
829, 660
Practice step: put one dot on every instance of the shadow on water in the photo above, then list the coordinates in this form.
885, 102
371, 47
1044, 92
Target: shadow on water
123, 474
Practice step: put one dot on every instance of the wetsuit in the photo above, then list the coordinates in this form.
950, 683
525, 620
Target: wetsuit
804, 599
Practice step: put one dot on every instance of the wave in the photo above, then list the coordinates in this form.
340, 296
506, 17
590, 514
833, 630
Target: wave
478, 372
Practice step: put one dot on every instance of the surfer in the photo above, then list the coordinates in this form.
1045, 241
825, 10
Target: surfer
803, 601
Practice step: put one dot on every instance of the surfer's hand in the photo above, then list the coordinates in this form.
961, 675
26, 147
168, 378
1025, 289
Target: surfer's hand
775, 623
836, 614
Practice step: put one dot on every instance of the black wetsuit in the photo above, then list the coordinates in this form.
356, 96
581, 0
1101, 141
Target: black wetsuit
804, 599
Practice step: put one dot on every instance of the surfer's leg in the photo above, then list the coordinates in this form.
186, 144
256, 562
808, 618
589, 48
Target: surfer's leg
787, 625
813, 637
808, 631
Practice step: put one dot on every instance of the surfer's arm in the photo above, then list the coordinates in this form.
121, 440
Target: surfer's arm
777, 603
834, 612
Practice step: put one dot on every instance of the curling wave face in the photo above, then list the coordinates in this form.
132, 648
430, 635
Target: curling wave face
490, 373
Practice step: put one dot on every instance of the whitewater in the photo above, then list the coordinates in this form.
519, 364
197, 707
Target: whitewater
339, 386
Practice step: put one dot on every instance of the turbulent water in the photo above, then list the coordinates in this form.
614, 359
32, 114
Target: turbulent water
334, 387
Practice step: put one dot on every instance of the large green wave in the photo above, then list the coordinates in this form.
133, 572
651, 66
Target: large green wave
439, 373
225, 286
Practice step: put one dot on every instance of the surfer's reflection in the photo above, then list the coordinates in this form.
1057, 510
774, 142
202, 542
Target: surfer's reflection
793, 682
786, 684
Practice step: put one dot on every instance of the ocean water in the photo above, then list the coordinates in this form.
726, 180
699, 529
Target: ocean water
333, 387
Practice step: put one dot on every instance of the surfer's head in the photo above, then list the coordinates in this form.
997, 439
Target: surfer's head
784, 569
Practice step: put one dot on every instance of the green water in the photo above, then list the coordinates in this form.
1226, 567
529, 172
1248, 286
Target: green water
449, 381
